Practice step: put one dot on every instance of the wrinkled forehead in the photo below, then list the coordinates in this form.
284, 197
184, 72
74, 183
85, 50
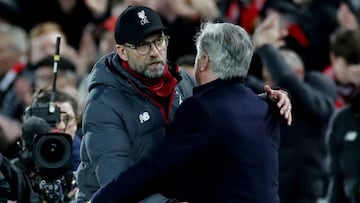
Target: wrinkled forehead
152, 37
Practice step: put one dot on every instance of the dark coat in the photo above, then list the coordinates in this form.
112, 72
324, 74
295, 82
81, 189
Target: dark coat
344, 148
13, 183
221, 147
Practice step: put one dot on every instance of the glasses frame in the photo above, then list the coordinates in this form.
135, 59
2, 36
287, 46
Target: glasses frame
162, 37
68, 119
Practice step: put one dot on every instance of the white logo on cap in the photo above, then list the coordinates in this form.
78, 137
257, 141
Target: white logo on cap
143, 17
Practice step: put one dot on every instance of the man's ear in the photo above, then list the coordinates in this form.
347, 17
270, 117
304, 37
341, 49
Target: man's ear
121, 52
204, 62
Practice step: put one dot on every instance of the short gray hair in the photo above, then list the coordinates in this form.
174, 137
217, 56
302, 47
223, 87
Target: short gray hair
16, 35
228, 46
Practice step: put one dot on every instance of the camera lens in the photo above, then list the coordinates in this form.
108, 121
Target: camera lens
53, 150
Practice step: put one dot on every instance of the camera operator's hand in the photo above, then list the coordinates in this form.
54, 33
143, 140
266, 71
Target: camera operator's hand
71, 194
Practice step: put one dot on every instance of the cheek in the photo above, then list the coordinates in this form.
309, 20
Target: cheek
71, 131
197, 76
164, 53
339, 69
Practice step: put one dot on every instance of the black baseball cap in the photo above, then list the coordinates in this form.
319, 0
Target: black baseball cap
135, 23
64, 63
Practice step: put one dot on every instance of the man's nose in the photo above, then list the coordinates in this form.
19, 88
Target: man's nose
154, 51
61, 125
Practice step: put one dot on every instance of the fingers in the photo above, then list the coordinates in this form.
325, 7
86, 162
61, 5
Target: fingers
289, 118
284, 105
268, 90
270, 21
275, 95
285, 110
282, 101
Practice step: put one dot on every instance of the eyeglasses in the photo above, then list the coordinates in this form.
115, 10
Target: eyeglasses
66, 118
145, 47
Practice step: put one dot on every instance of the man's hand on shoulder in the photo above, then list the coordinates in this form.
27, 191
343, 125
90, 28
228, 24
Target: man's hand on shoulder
283, 102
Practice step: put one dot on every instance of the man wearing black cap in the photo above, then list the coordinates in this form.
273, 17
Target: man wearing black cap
133, 95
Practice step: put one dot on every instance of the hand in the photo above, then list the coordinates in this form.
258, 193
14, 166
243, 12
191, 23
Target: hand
24, 90
72, 193
87, 50
283, 102
269, 32
346, 18
11, 129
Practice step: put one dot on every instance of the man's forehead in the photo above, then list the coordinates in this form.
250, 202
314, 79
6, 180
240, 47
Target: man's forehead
151, 37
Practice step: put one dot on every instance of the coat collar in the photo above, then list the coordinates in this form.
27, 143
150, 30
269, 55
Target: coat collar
216, 83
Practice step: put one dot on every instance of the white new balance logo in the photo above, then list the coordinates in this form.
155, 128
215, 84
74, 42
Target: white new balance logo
350, 136
144, 117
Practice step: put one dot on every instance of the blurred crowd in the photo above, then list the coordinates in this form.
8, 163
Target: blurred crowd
311, 48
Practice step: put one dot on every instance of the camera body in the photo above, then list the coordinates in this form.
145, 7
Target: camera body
51, 153
49, 112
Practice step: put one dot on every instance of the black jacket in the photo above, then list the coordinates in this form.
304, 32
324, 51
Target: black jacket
13, 183
344, 148
302, 150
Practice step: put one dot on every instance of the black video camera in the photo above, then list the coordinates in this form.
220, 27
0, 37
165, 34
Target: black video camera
49, 151
52, 155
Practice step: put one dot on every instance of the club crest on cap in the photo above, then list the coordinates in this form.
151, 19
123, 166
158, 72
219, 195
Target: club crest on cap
143, 17
136, 23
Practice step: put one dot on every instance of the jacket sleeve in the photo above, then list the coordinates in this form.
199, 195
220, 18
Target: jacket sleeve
12, 182
105, 139
5, 189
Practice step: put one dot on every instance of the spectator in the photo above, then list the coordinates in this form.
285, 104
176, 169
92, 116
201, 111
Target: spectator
43, 40
71, 15
343, 145
345, 64
44, 74
302, 153
13, 49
